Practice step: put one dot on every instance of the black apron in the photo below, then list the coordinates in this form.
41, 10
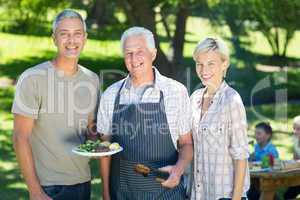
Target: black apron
142, 130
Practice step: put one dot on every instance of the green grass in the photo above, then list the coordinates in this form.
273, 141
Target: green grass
18, 52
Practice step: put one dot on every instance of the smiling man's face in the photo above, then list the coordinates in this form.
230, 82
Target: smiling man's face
138, 57
69, 37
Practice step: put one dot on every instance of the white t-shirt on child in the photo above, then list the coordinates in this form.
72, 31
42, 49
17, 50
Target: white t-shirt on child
296, 145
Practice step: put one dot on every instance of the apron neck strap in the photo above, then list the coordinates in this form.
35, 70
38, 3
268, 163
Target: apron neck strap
117, 101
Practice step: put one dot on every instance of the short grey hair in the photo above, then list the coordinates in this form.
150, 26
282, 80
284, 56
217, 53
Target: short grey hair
138, 31
296, 120
67, 14
212, 44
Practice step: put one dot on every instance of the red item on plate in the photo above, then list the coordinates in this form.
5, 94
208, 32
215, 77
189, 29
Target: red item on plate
271, 160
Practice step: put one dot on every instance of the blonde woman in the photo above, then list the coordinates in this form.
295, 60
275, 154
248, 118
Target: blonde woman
219, 129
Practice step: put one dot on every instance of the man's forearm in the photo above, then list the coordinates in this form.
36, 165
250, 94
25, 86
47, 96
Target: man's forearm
25, 159
184, 158
239, 178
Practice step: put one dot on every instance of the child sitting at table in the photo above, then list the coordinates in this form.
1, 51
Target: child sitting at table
264, 146
292, 192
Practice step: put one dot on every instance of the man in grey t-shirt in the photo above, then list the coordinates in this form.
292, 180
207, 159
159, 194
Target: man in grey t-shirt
54, 106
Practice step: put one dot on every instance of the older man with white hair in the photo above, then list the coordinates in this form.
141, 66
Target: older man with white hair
149, 115
54, 104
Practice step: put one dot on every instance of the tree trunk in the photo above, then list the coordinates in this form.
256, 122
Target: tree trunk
288, 36
276, 39
268, 35
179, 38
98, 13
165, 24
141, 13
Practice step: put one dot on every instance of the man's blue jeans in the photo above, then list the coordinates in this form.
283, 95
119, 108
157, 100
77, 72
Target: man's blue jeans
80, 191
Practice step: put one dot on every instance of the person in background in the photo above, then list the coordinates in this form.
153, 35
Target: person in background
264, 146
292, 192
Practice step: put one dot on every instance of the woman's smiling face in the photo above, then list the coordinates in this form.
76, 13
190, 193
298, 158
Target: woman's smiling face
210, 68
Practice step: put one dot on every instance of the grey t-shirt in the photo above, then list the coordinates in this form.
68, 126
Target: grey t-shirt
61, 106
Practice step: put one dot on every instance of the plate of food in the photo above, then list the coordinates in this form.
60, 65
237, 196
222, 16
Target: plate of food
97, 148
256, 166
261, 170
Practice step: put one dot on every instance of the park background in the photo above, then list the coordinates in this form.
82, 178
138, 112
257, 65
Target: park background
264, 39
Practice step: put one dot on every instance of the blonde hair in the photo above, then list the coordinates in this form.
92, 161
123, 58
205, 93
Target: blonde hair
296, 120
212, 44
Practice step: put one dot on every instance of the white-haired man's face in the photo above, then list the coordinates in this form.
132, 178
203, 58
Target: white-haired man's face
69, 37
138, 57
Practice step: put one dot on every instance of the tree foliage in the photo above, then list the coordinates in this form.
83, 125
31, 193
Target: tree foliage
277, 20
146, 13
25, 15
99, 12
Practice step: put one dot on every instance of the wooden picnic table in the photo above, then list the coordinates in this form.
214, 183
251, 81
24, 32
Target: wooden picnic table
269, 182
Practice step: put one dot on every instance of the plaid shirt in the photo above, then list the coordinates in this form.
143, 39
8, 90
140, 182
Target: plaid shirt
220, 137
176, 101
